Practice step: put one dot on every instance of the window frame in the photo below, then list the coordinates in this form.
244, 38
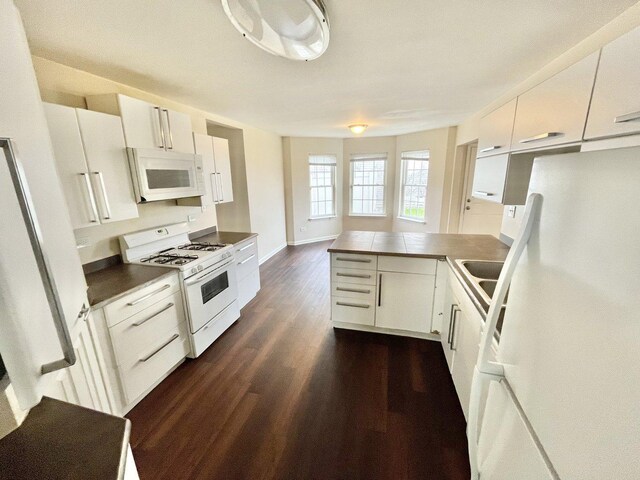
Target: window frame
405, 158
310, 165
368, 157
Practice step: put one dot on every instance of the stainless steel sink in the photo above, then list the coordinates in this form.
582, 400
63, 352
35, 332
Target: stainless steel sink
489, 287
483, 268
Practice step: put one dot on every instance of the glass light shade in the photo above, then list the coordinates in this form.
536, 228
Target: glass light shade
358, 128
294, 29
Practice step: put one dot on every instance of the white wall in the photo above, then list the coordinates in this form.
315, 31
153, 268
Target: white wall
300, 229
263, 156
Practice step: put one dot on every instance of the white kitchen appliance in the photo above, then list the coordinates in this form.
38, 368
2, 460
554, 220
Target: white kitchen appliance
207, 274
563, 389
163, 175
43, 293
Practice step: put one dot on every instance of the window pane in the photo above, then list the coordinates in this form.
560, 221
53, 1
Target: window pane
415, 176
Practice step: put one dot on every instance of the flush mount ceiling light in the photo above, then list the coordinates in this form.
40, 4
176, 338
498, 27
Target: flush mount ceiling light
294, 29
358, 128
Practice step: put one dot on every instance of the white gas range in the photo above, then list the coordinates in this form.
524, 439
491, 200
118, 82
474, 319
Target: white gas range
207, 273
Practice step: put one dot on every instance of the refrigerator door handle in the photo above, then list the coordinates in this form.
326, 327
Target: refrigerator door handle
486, 370
21, 187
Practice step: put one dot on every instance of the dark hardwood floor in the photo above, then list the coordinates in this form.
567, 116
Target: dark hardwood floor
282, 395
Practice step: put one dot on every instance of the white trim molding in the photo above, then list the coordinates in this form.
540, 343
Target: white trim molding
313, 240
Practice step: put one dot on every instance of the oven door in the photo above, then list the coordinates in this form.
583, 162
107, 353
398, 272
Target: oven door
210, 291
160, 175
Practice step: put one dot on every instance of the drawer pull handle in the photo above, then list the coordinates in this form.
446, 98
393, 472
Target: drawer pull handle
356, 305
137, 324
246, 246
157, 350
149, 295
629, 117
490, 149
353, 275
482, 193
542, 136
356, 260
246, 260
354, 290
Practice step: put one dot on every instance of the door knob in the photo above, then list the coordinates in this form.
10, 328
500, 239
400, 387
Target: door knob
468, 200
467, 207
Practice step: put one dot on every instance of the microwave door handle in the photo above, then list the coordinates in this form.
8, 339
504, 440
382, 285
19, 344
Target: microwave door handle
21, 187
169, 134
161, 128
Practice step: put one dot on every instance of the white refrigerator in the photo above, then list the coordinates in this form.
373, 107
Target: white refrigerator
43, 293
564, 386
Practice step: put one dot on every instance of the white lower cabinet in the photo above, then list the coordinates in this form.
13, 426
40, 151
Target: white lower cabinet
405, 301
141, 338
248, 270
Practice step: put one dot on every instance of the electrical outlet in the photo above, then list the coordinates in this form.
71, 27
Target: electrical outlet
191, 218
512, 211
303, 229
82, 241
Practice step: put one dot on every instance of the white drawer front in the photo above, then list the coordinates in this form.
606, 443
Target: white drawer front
204, 337
245, 249
139, 300
247, 266
424, 266
137, 333
348, 290
351, 310
353, 260
147, 368
352, 275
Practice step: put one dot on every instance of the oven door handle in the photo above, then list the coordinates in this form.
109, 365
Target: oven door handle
208, 274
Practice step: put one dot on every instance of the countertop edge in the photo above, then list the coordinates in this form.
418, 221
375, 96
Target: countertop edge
369, 251
109, 300
125, 449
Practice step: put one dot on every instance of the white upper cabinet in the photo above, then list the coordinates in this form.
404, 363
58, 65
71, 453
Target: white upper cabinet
555, 112
223, 169
146, 125
92, 164
496, 129
615, 106
204, 147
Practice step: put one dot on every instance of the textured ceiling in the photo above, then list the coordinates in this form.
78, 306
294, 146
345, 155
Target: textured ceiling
398, 65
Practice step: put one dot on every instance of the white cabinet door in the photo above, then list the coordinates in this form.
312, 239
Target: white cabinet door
496, 129
615, 106
555, 111
450, 303
142, 123
204, 147
405, 301
465, 340
82, 384
489, 177
178, 131
71, 165
106, 156
223, 169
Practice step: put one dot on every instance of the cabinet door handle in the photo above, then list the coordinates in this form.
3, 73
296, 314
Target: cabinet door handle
491, 148
246, 260
482, 193
453, 328
161, 347
170, 135
352, 275
629, 117
450, 335
380, 291
214, 187
356, 305
246, 246
353, 290
161, 127
92, 198
137, 324
221, 187
148, 295
542, 136
105, 199
356, 260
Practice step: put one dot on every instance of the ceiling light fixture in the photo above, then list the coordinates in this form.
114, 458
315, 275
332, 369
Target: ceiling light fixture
358, 128
293, 29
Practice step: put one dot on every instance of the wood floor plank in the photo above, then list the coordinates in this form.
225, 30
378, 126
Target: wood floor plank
282, 395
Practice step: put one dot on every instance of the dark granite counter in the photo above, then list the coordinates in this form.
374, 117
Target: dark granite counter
59, 440
222, 237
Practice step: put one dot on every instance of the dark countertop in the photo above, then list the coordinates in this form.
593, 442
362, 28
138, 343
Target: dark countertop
112, 282
222, 237
59, 440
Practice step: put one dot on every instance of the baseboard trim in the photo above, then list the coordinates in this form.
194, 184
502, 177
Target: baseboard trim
388, 331
269, 255
313, 240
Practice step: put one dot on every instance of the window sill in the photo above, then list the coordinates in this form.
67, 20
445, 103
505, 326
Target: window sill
326, 217
412, 220
367, 215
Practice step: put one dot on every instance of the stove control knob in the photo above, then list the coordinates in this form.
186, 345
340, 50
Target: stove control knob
193, 270
199, 268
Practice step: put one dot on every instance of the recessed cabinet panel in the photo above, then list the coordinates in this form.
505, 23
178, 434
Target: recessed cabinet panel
615, 107
555, 111
496, 129
405, 301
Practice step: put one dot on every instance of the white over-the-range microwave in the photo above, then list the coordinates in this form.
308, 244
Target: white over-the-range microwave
162, 175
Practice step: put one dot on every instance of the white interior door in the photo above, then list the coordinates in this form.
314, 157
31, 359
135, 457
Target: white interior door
478, 216
223, 168
204, 147
109, 167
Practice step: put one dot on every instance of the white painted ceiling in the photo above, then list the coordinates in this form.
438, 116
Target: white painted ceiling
398, 65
